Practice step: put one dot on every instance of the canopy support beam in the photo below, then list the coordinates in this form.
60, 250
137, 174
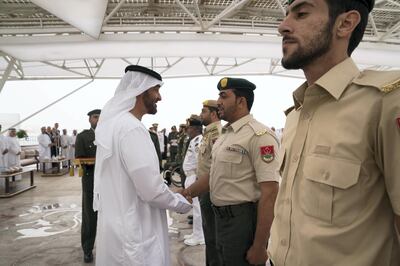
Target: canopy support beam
7, 72
49, 105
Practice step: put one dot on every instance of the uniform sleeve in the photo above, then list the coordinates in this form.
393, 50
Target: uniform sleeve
139, 159
80, 147
389, 146
264, 156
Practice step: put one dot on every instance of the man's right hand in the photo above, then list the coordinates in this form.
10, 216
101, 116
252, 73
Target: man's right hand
185, 193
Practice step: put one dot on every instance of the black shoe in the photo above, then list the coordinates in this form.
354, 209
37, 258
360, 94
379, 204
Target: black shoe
190, 217
88, 257
190, 222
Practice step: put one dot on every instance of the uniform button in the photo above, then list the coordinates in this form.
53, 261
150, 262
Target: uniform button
283, 242
295, 158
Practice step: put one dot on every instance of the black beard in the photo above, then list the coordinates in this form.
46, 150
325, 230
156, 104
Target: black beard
149, 104
318, 46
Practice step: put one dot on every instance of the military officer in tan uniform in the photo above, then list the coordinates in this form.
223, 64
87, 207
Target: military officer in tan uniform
210, 119
339, 200
243, 177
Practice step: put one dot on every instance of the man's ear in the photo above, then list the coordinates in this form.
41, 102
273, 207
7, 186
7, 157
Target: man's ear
346, 23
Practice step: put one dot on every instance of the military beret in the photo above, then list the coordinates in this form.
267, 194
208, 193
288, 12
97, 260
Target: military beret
94, 112
182, 125
235, 83
368, 3
194, 120
12, 129
210, 103
155, 124
144, 70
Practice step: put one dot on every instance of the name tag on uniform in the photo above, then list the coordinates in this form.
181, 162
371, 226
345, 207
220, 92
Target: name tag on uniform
236, 149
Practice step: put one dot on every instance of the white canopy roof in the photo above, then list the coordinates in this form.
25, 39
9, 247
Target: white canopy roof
58, 39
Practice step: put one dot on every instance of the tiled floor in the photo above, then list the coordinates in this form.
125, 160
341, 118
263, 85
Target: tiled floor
42, 226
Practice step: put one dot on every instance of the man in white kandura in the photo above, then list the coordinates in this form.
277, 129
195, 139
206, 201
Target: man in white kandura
3, 151
194, 130
14, 151
129, 193
65, 145
44, 142
71, 154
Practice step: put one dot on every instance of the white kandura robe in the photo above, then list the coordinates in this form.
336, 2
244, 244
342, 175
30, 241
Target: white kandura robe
3, 146
131, 199
71, 154
44, 149
65, 145
13, 155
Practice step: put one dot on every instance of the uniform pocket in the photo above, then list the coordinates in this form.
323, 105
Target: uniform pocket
329, 188
229, 161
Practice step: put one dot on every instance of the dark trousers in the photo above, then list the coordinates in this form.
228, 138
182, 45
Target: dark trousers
235, 227
173, 150
208, 219
89, 217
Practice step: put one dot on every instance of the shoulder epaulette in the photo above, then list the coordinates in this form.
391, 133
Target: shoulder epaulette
259, 129
385, 81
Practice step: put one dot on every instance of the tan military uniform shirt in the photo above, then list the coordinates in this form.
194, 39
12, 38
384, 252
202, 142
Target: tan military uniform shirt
210, 135
341, 172
244, 155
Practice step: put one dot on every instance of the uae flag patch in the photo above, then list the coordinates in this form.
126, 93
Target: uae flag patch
267, 153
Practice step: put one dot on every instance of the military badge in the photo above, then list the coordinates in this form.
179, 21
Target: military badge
267, 153
224, 82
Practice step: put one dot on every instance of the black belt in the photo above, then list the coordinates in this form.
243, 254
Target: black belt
233, 210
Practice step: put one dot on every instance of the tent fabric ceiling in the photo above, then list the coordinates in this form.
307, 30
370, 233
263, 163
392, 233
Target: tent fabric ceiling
56, 39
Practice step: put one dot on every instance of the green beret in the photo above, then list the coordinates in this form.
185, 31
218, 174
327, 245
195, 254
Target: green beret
235, 83
144, 70
94, 112
368, 3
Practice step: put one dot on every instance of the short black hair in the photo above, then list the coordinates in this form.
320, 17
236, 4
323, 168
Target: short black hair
337, 7
247, 94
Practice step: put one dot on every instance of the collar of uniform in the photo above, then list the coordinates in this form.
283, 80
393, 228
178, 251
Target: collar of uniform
336, 80
298, 95
212, 126
240, 123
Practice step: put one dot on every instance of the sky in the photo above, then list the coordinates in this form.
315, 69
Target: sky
180, 98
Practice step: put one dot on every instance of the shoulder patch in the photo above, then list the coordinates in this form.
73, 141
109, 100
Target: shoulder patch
385, 81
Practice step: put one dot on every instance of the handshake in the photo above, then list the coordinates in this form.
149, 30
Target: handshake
186, 193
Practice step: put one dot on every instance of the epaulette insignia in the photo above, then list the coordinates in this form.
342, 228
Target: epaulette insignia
391, 86
261, 132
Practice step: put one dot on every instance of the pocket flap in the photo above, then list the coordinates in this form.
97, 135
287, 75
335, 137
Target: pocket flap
332, 171
231, 157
